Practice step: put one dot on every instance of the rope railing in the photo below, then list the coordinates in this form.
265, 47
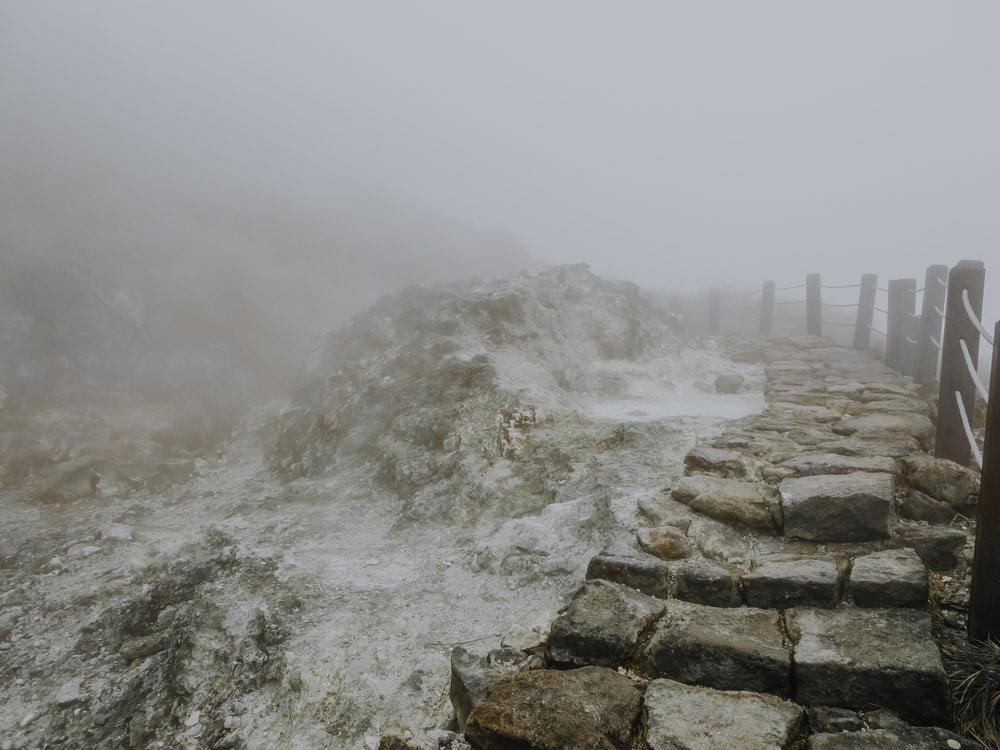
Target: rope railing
972, 371
975, 318
971, 438
841, 286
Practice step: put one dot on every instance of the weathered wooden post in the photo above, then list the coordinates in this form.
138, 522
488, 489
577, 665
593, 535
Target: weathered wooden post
950, 442
814, 306
908, 345
984, 603
866, 312
902, 304
715, 312
767, 309
935, 284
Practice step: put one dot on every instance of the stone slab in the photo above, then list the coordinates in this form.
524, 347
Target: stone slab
602, 625
858, 658
783, 581
834, 463
838, 508
697, 718
729, 500
715, 461
909, 738
891, 578
634, 568
726, 649
590, 707
709, 583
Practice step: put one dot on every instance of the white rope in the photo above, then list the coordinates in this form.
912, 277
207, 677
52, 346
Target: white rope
876, 330
884, 312
939, 311
911, 340
936, 343
942, 282
975, 321
972, 371
968, 430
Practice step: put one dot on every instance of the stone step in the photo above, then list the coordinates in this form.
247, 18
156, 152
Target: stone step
838, 508
782, 581
892, 578
730, 500
854, 658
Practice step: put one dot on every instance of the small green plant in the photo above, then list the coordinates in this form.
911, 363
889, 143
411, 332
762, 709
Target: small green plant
975, 679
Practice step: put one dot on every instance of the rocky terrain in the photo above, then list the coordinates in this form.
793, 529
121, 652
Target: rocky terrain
176, 571
805, 585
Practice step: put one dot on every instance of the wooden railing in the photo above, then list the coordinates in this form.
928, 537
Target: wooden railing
916, 346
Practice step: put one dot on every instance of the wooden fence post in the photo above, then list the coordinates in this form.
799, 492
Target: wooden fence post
949, 440
935, 284
767, 309
715, 312
814, 314
866, 312
984, 603
895, 323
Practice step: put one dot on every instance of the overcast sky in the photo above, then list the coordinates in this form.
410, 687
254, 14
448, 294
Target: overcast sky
672, 143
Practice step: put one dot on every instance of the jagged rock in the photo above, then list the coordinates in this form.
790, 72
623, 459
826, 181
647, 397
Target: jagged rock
830, 719
602, 625
937, 547
705, 582
68, 481
665, 542
698, 718
833, 463
117, 532
917, 506
944, 480
630, 567
855, 657
136, 648
663, 511
841, 508
783, 581
915, 425
892, 578
727, 649
909, 738
590, 707
715, 461
729, 500
70, 692
471, 678
729, 383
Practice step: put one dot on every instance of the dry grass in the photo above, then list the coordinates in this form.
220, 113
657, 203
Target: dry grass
975, 679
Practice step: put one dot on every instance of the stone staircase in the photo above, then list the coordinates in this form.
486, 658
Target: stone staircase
794, 590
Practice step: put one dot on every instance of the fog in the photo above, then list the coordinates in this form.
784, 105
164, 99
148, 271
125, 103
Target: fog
675, 144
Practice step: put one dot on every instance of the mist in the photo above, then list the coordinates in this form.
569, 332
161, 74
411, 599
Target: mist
346, 326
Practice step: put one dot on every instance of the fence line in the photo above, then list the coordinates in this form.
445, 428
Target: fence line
940, 343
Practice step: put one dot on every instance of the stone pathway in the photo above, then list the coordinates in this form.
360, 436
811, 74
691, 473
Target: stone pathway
781, 595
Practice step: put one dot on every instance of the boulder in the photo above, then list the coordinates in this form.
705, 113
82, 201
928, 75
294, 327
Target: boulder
630, 567
916, 506
782, 581
937, 546
685, 716
838, 508
602, 625
709, 583
471, 678
729, 383
729, 500
727, 649
590, 707
715, 461
892, 578
855, 657
665, 542
944, 480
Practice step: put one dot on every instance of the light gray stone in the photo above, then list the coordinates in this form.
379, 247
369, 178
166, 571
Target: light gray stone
715, 461
698, 718
783, 581
602, 625
855, 657
730, 500
908, 738
70, 692
727, 649
892, 578
631, 567
944, 480
838, 508
833, 463
915, 425
729, 383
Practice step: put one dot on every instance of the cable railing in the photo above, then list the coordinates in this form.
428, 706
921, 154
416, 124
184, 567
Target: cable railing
940, 343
